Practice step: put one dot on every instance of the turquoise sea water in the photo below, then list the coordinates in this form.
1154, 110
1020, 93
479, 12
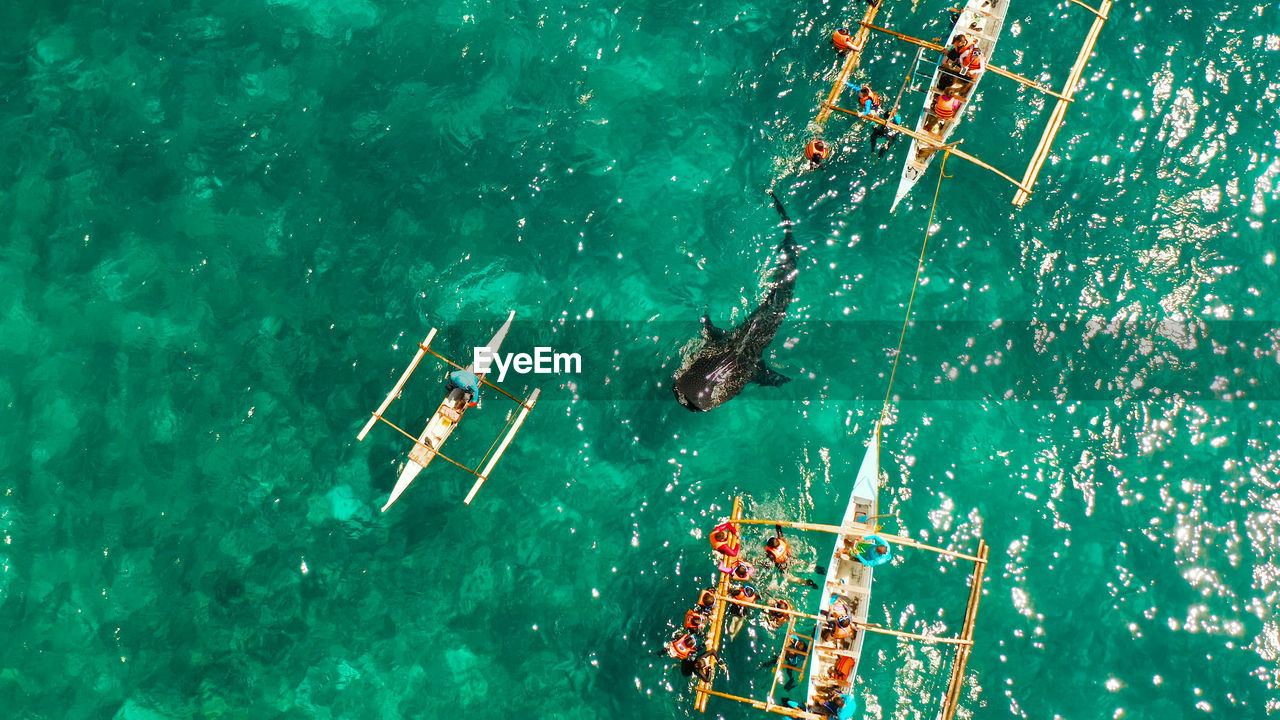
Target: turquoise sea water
225, 225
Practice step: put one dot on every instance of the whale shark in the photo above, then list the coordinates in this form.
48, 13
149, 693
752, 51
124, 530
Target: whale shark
727, 362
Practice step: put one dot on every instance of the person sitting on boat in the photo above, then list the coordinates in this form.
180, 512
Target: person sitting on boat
841, 707
876, 553
972, 64
466, 385
958, 46
837, 607
842, 628
949, 68
945, 109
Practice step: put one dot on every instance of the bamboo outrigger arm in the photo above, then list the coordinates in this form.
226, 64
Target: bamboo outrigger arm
760, 705
515, 427
956, 683
1102, 13
930, 142
963, 643
1002, 72
854, 529
869, 627
439, 454
482, 380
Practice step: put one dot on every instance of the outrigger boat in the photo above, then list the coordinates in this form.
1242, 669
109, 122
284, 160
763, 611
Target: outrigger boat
926, 143
427, 446
982, 21
832, 664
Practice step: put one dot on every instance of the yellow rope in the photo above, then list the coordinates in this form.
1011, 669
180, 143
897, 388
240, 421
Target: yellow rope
942, 172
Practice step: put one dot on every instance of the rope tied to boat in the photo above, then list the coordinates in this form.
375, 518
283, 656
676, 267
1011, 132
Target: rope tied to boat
906, 320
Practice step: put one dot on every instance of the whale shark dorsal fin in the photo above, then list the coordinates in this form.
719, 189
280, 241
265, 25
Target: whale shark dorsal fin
712, 333
771, 378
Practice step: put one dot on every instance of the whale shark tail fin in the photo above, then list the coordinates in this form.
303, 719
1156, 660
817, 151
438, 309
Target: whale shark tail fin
788, 242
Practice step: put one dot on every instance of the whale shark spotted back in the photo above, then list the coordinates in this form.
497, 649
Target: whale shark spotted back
728, 361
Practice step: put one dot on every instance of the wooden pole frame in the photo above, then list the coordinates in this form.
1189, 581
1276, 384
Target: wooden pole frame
484, 474
930, 142
963, 643
852, 529
782, 657
1064, 97
956, 684
850, 64
415, 442
714, 635
1041, 153
996, 69
424, 348
870, 627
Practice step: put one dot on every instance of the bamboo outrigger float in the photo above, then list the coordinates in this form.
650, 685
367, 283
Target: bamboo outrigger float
851, 60
931, 143
832, 664
426, 447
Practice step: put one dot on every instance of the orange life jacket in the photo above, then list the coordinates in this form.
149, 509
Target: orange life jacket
876, 100
816, 151
843, 668
684, 646
842, 39
693, 620
946, 107
779, 551
744, 571
744, 592
707, 598
723, 541
972, 60
841, 633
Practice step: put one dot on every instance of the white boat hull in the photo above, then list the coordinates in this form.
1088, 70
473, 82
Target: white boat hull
440, 427
982, 20
848, 581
